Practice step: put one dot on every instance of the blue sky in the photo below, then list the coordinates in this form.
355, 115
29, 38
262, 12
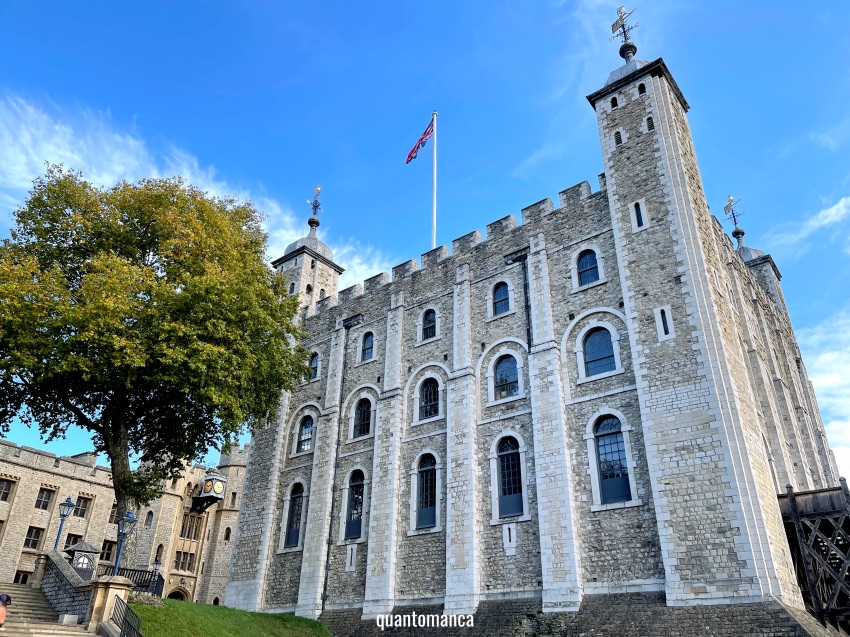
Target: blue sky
266, 100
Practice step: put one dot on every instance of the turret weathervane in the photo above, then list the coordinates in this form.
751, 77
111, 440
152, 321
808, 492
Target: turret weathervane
730, 211
621, 26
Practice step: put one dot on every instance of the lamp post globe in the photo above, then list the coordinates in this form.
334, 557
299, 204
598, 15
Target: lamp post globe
65, 509
125, 528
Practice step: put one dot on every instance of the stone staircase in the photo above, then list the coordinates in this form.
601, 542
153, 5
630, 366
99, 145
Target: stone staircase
31, 615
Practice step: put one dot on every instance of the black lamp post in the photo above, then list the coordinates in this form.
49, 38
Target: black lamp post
125, 528
65, 509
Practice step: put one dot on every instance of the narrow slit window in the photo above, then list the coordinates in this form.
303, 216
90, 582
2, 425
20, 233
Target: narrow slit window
613, 102
664, 327
638, 216
293, 524
641, 89
650, 125
314, 366
618, 138
426, 511
354, 519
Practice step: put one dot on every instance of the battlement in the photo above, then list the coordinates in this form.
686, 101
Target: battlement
236, 455
78, 466
571, 201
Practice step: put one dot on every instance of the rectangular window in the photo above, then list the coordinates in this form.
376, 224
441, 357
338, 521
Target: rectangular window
82, 507
5, 490
190, 563
355, 511
33, 538
107, 551
233, 500
177, 556
43, 500
22, 577
72, 539
113, 514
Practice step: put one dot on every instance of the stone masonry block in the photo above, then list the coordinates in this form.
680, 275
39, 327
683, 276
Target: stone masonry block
434, 256
405, 269
466, 242
500, 227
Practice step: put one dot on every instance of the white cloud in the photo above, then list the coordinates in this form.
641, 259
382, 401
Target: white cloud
826, 217
826, 350
89, 141
835, 137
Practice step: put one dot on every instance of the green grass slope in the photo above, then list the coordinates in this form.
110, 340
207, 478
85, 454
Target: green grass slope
184, 619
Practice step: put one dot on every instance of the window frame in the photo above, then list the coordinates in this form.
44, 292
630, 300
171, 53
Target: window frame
495, 479
82, 512
417, 399
284, 517
413, 528
369, 393
659, 323
512, 308
578, 349
496, 352
111, 555
421, 339
644, 213
362, 349
298, 416
344, 508
44, 504
39, 534
315, 370
600, 267
593, 465
363, 410
6, 491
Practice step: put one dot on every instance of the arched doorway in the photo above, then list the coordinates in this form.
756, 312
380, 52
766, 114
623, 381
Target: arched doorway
215, 601
177, 594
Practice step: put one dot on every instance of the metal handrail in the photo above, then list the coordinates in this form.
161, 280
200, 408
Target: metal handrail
126, 619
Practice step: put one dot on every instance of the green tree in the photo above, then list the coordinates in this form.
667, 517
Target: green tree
146, 314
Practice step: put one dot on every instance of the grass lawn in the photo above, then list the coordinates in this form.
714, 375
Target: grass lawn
185, 619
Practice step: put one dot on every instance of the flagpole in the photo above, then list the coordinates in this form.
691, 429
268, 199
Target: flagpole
434, 211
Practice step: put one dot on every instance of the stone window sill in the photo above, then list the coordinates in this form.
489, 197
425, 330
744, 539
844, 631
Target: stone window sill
509, 399
359, 540
416, 423
589, 379
433, 529
587, 286
298, 454
350, 441
371, 360
428, 341
525, 517
290, 549
616, 505
502, 315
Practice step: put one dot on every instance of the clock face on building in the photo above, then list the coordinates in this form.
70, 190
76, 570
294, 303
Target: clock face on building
208, 486
218, 487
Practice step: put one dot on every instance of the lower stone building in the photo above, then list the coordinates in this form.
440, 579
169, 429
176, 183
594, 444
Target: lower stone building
190, 550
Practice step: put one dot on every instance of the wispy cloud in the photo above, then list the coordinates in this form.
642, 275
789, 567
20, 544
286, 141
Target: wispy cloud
32, 134
835, 137
793, 236
826, 350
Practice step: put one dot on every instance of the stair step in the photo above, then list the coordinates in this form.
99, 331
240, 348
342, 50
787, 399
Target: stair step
31, 615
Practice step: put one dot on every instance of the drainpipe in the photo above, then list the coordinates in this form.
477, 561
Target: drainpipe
521, 256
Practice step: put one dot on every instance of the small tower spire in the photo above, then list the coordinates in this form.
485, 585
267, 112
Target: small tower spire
734, 215
313, 222
622, 29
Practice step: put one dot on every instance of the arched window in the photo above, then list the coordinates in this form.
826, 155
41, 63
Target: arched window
362, 418
309, 289
215, 601
510, 478
314, 366
588, 269
638, 216
641, 89
426, 510
429, 399
305, 435
501, 299
354, 519
227, 534
188, 489
613, 102
618, 138
293, 523
292, 288
322, 293
158, 555
650, 125
611, 460
598, 352
506, 381
366, 349
429, 325
149, 519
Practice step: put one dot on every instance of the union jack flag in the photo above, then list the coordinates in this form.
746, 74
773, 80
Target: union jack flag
421, 143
